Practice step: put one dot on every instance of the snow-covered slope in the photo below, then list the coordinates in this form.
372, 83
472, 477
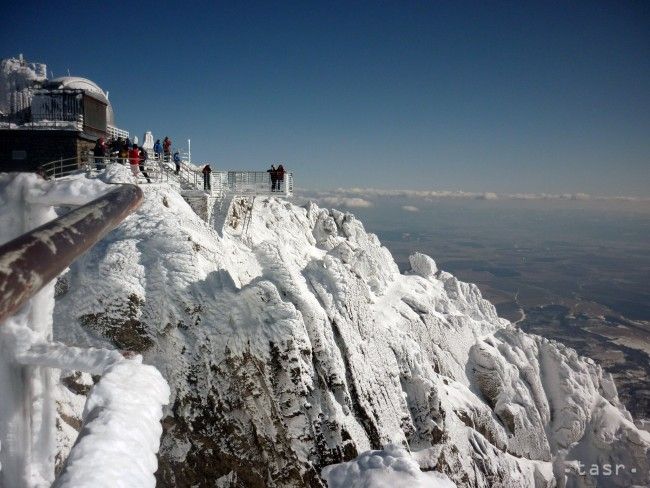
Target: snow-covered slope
120, 425
387, 468
291, 342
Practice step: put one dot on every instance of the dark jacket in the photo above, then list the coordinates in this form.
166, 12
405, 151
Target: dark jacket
100, 149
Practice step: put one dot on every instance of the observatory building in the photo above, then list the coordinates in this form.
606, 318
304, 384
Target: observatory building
42, 120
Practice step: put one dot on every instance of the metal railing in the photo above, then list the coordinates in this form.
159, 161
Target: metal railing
77, 118
32, 260
190, 177
62, 167
151, 170
236, 182
28, 265
259, 183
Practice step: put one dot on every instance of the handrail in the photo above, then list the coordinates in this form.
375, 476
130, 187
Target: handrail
31, 261
190, 177
59, 168
152, 167
258, 183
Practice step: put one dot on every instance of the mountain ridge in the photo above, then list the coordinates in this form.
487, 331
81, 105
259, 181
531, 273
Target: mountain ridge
296, 343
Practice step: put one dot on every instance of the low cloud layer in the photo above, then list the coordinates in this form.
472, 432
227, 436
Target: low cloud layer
410, 208
362, 197
413, 201
348, 202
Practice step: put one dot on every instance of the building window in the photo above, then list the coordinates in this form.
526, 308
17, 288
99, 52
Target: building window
18, 154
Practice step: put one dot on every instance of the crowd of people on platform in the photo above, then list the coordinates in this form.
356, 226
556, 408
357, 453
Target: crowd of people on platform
124, 151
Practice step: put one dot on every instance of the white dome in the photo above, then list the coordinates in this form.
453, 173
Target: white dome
78, 83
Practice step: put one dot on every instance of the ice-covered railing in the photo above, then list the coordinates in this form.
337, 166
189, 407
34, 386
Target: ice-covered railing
222, 183
152, 168
121, 428
256, 183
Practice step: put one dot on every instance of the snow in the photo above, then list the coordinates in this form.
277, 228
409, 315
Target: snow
78, 83
147, 141
423, 265
16, 81
121, 433
388, 468
126, 404
44, 125
288, 334
294, 327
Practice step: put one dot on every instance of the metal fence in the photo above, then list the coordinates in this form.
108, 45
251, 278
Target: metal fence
220, 183
28, 264
34, 262
190, 177
258, 183
61, 105
151, 170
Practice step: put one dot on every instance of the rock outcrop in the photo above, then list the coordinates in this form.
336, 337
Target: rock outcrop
294, 343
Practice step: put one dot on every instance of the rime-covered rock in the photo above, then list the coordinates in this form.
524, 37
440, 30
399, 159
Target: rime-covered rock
291, 342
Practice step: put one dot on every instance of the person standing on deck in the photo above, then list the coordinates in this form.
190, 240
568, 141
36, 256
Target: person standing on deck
167, 148
177, 162
206, 177
157, 149
114, 149
123, 153
143, 160
279, 177
274, 176
99, 151
134, 160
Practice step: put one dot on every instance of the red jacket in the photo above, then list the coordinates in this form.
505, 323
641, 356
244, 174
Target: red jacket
134, 156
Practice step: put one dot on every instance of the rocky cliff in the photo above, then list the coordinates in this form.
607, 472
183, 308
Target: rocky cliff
291, 342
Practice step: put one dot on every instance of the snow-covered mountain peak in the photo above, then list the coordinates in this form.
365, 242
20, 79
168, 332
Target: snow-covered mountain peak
289, 335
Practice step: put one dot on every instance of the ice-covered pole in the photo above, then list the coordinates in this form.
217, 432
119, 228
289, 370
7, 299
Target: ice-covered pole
28, 264
32, 260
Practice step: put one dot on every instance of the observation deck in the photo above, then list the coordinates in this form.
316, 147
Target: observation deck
191, 179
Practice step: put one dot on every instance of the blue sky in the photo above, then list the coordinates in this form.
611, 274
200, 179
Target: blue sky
478, 96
